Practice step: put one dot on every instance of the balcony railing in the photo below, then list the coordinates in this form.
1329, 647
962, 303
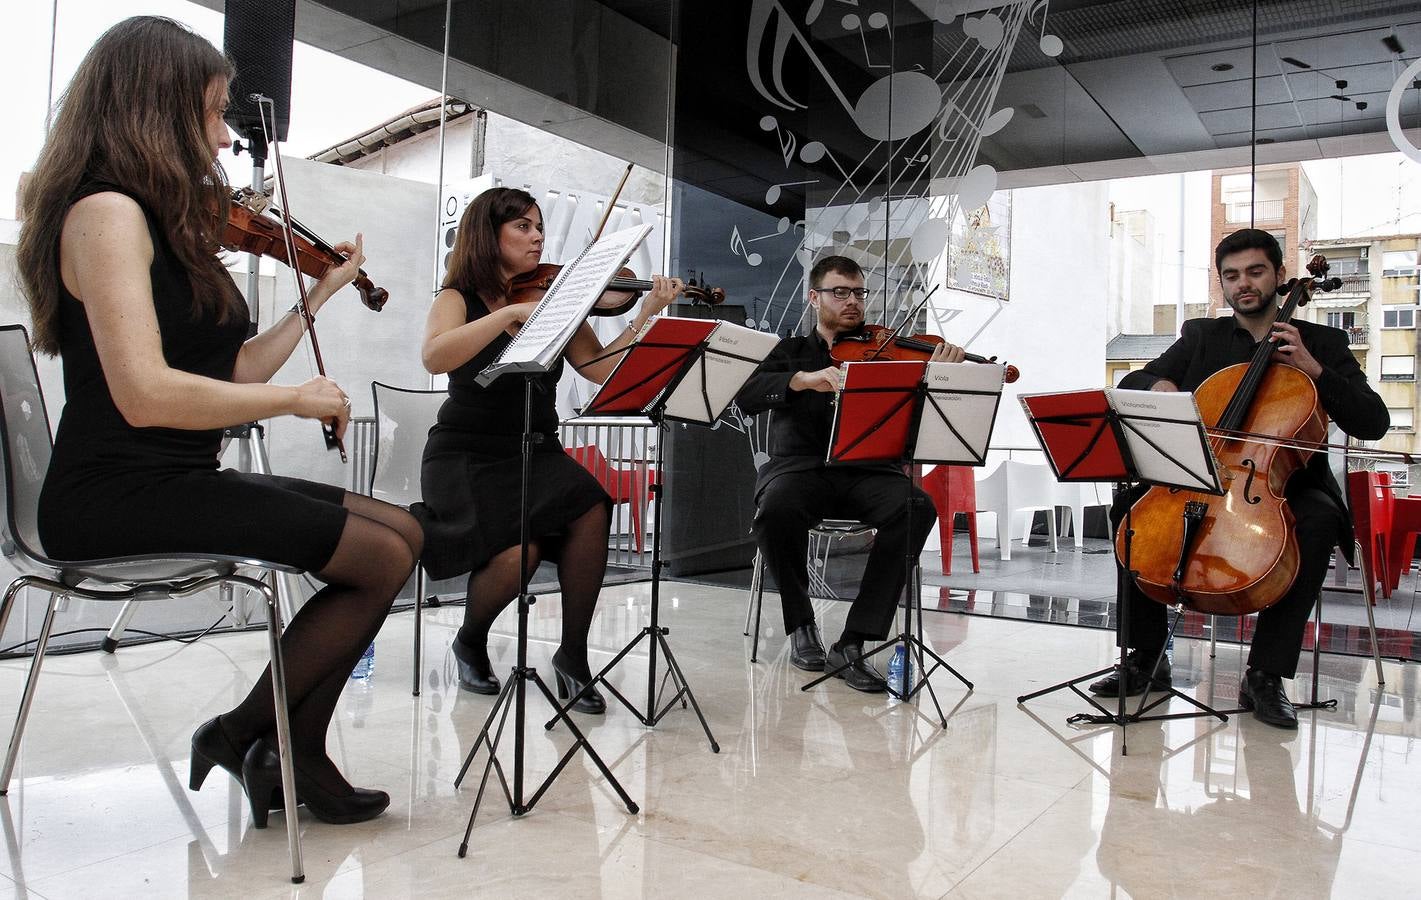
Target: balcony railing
1356, 335
1262, 211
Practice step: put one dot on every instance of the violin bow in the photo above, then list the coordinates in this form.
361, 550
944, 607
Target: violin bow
303, 305
612, 203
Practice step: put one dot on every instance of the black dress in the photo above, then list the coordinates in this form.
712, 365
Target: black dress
472, 475
116, 490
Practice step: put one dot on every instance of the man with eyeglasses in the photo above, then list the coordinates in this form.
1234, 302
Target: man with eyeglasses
795, 490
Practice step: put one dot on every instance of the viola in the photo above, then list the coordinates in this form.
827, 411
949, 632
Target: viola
621, 294
1236, 554
255, 226
878, 343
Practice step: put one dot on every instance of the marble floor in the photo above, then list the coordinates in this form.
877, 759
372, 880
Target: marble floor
825, 793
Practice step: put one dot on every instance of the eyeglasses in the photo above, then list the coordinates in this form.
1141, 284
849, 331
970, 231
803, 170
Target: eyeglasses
843, 293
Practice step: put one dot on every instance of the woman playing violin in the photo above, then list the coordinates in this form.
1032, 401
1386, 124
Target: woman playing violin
472, 463
795, 489
119, 256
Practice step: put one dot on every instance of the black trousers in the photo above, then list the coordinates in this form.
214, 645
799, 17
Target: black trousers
1278, 637
795, 502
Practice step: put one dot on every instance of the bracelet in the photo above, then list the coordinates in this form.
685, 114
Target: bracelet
296, 308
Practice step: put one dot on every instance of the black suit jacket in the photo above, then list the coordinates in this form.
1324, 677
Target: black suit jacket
800, 421
1206, 346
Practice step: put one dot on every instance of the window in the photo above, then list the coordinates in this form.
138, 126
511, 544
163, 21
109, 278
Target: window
1398, 262
1398, 368
1401, 418
1399, 317
1400, 474
1342, 319
1349, 265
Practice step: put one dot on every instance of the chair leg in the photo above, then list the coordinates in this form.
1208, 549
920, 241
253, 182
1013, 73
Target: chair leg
418, 624
120, 624
1369, 597
972, 540
945, 527
283, 729
758, 597
31, 681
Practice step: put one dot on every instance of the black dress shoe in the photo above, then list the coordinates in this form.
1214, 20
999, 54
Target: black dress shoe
211, 747
1264, 694
570, 685
861, 676
806, 650
261, 772
475, 671
1136, 666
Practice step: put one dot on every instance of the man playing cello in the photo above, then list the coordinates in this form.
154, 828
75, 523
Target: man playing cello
1250, 268
795, 490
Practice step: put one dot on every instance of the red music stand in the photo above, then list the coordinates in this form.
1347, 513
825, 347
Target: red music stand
1131, 438
644, 377
907, 413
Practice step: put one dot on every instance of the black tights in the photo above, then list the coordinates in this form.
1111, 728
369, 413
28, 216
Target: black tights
582, 564
324, 640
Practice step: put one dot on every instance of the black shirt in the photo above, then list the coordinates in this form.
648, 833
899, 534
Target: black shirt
801, 421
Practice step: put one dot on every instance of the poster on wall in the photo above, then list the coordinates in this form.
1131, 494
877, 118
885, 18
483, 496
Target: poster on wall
979, 255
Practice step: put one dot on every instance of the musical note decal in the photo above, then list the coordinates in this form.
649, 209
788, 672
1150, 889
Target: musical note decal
737, 246
788, 142
772, 196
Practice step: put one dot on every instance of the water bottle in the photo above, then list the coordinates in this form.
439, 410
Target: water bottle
366, 665
897, 667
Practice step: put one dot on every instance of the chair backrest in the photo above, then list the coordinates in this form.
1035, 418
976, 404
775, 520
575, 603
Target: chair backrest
25, 441
403, 417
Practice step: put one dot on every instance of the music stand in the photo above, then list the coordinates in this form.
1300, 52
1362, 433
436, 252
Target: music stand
644, 377
1132, 438
909, 413
537, 348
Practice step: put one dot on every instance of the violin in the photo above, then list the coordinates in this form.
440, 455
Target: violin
879, 342
621, 295
251, 228
1238, 553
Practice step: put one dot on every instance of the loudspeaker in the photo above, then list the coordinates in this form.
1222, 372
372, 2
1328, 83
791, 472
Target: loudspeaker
258, 37
710, 485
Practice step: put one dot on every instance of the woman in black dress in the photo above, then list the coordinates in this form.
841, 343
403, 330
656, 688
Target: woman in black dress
119, 257
472, 474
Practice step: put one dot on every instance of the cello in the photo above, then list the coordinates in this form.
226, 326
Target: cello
1237, 553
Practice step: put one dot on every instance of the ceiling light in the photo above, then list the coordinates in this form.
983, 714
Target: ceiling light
1222, 67
1393, 44
1293, 61
1264, 141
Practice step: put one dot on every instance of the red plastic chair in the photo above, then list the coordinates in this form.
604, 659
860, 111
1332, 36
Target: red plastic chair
954, 490
1370, 500
1405, 525
623, 485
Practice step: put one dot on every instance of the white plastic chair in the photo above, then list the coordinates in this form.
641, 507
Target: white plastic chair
1078, 496
403, 417
1015, 487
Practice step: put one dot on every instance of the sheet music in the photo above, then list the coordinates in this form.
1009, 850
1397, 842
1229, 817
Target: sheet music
1162, 430
733, 352
567, 303
958, 412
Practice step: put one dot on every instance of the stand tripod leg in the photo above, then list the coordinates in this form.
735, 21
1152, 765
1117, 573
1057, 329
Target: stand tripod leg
680, 677
580, 740
500, 709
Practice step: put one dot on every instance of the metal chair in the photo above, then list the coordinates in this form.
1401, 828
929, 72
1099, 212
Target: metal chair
403, 417
26, 444
822, 537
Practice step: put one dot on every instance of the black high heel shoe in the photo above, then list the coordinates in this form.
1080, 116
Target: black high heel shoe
570, 685
211, 747
261, 772
475, 671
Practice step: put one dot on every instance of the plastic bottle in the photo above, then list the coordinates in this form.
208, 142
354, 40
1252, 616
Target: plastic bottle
366, 665
897, 666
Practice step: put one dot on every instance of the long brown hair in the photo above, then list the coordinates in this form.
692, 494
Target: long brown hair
134, 116
473, 263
